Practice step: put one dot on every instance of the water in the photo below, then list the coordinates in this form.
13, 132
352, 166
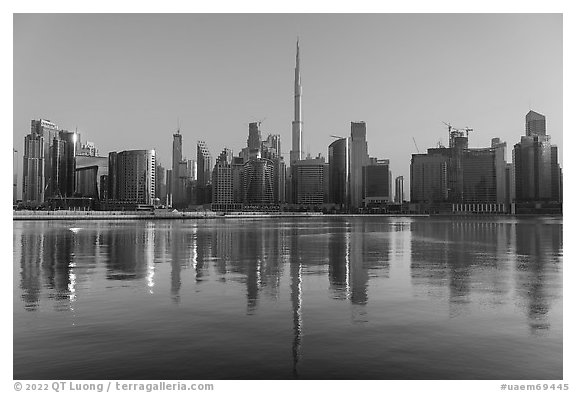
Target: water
315, 298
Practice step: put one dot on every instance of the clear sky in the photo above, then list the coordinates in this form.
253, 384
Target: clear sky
124, 80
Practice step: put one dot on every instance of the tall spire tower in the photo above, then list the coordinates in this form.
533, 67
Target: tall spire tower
296, 152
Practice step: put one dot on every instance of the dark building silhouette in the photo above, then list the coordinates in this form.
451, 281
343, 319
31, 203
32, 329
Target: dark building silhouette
33, 171
358, 160
63, 152
399, 189
537, 175
90, 172
376, 182
472, 178
49, 132
339, 172
49, 162
176, 190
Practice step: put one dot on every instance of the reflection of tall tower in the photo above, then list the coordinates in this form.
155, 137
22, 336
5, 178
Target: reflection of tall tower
296, 153
358, 272
296, 300
31, 263
339, 264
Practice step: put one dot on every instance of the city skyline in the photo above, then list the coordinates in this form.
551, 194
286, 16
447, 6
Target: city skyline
269, 97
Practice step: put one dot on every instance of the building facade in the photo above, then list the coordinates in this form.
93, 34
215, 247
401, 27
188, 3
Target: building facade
223, 183
54, 161
33, 179
296, 152
63, 155
204, 175
176, 190
535, 124
429, 178
399, 189
376, 182
310, 181
537, 174
49, 132
358, 159
339, 163
132, 173
90, 174
258, 182
461, 176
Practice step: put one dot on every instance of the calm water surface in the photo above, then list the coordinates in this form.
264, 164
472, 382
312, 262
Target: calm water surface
317, 298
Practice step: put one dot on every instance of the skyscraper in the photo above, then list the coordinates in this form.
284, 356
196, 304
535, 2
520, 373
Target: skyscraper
399, 189
258, 182
204, 169
222, 183
176, 190
134, 176
55, 162
33, 171
358, 159
49, 132
429, 178
254, 140
376, 182
296, 152
309, 181
461, 176
63, 153
14, 176
535, 124
339, 162
160, 182
270, 148
90, 171
536, 170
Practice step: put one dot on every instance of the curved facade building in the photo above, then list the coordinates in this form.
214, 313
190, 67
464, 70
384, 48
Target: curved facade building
259, 182
339, 164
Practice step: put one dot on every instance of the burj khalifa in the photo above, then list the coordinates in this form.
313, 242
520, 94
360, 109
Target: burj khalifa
296, 152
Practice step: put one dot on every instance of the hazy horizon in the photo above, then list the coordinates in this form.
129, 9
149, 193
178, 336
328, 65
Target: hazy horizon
126, 80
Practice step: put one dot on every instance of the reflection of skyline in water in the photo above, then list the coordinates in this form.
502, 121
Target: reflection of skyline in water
333, 297
466, 262
486, 262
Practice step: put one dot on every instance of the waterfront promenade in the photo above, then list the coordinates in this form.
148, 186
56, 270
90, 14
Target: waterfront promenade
31, 215
144, 215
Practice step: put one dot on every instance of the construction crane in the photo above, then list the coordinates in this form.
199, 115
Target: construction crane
468, 130
455, 132
418, 150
